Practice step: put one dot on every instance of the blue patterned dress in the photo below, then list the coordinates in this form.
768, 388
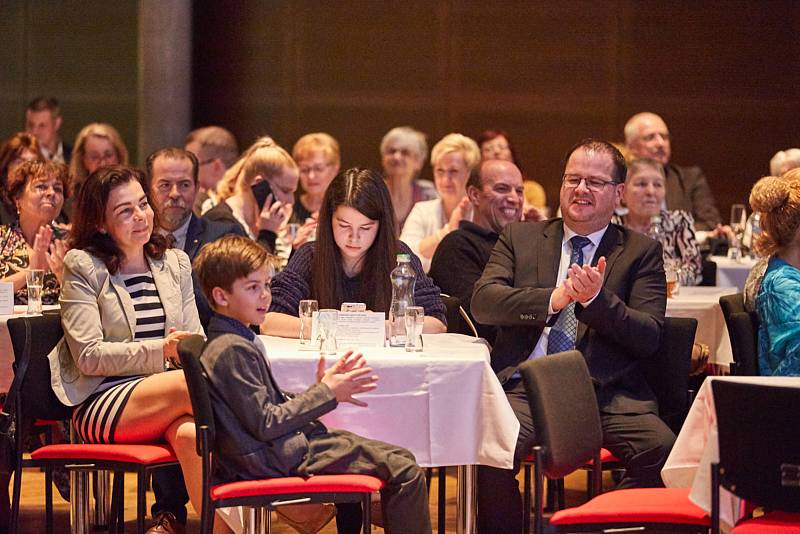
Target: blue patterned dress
778, 305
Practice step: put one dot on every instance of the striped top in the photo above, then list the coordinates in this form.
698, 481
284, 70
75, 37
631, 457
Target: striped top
150, 317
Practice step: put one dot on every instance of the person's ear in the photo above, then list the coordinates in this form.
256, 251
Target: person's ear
219, 297
58, 122
472, 194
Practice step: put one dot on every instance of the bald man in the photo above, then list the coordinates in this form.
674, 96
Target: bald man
647, 136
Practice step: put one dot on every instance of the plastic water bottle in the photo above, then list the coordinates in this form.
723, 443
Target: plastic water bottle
403, 280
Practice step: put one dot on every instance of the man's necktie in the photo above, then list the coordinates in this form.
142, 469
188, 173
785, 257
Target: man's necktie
171, 241
563, 332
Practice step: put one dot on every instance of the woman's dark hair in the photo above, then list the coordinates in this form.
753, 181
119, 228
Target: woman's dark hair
365, 191
90, 213
493, 133
33, 171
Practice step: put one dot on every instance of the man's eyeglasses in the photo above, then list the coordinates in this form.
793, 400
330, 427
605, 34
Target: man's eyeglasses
572, 181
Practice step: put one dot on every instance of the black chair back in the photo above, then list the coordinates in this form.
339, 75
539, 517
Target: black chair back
759, 442
743, 332
189, 351
458, 322
667, 371
708, 273
32, 339
566, 418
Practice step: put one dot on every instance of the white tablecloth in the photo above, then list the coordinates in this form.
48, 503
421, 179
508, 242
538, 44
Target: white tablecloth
445, 404
7, 350
731, 273
702, 303
697, 447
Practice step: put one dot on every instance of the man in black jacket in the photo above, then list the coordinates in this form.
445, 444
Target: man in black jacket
577, 282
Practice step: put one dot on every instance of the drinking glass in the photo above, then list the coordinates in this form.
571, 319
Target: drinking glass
414, 318
35, 281
327, 320
738, 220
306, 312
672, 268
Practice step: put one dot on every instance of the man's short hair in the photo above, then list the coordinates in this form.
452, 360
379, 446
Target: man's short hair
45, 103
475, 179
171, 153
222, 262
620, 170
217, 143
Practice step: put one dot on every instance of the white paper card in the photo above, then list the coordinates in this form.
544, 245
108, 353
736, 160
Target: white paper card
353, 330
6, 298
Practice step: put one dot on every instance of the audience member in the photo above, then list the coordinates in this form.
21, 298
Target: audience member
18, 149
644, 197
173, 178
96, 145
647, 136
282, 437
778, 300
43, 120
403, 152
577, 283
784, 160
126, 302
495, 191
266, 162
495, 144
216, 150
351, 260
452, 158
36, 189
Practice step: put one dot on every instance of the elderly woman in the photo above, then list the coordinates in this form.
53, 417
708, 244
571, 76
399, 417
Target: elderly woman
644, 197
37, 191
452, 158
778, 301
96, 145
19, 148
403, 152
495, 144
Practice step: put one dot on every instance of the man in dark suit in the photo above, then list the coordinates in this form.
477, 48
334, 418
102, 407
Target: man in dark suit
577, 282
647, 136
43, 120
173, 179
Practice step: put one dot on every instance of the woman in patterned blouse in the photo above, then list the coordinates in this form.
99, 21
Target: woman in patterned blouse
36, 189
644, 197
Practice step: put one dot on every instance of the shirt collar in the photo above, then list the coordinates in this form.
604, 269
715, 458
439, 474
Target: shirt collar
594, 237
470, 226
227, 324
180, 232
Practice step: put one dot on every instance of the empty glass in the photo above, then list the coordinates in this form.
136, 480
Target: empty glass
326, 323
414, 318
738, 220
306, 312
35, 281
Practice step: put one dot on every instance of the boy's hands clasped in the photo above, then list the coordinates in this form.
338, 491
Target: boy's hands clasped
347, 377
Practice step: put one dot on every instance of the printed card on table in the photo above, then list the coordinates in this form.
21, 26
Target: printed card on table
353, 330
6, 298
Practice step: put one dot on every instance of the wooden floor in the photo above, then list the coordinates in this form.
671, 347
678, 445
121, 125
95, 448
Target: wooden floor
32, 510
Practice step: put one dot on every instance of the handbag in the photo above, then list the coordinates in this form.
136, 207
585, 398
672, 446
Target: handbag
8, 422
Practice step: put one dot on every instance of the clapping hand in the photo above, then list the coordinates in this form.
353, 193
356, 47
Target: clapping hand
41, 243
347, 377
55, 258
583, 282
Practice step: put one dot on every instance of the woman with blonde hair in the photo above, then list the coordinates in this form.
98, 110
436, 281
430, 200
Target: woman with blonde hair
98, 144
777, 199
452, 159
257, 192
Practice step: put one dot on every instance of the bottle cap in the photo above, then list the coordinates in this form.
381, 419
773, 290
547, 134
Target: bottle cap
402, 258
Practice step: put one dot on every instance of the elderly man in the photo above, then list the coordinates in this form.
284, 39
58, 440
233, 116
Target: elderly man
647, 136
173, 178
577, 282
495, 190
216, 150
43, 120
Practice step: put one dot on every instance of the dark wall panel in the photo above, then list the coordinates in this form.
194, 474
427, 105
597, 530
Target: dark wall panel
721, 73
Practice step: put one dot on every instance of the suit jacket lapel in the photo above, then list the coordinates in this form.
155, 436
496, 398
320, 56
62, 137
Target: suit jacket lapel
551, 254
193, 236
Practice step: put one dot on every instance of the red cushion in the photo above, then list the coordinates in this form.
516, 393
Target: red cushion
778, 522
642, 505
135, 454
605, 457
291, 485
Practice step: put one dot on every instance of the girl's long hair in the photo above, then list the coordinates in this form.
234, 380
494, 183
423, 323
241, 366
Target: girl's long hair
365, 191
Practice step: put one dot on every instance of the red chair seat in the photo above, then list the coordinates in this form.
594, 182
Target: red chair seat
134, 454
777, 522
641, 505
605, 457
291, 485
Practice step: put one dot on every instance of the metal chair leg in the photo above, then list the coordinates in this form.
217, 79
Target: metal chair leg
48, 498
526, 499
366, 512
441, 500
141, 499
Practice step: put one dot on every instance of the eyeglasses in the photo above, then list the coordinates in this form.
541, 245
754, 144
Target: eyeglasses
96, 158
572, 181
316, 169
